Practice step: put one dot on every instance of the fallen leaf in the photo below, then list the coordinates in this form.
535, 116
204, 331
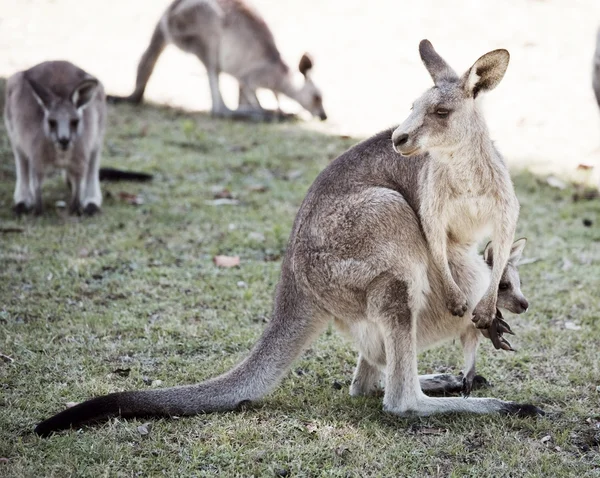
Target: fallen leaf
6, 358
132, 199
122, 372
545, 439
555, 182
223, 202
71, 404
572, 325
223, 194
3, 460
226, 261
60, 204
144, 429
257, 188
242, 285
156, 383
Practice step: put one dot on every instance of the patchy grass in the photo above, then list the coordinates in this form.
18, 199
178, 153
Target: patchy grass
135, 289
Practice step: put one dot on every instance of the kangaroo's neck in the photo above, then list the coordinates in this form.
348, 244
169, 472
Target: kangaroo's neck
288, 85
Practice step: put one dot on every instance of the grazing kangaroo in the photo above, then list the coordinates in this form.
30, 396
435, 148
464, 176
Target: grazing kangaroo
596, 69
231, 37
357, 254
55, 115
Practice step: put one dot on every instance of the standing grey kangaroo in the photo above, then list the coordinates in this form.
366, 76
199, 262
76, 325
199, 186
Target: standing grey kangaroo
360, 254
55, 115
231, 37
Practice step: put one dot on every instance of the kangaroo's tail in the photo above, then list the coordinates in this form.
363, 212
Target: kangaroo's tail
286, 335
158, 42
112, 174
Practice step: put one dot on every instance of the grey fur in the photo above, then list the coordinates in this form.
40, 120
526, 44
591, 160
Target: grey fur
231, 37
596, 69
55, 115
358, 255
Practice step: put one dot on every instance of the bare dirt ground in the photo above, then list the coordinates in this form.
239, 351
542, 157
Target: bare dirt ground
366, 60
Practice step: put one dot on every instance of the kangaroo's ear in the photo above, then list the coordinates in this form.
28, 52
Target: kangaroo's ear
305, 64
486, 73
84, 92
488, 254
42, 95
435, 64
516, 251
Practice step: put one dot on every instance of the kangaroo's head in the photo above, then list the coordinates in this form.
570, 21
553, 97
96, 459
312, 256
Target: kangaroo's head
63, 116
447, 115
309, 96
510, 296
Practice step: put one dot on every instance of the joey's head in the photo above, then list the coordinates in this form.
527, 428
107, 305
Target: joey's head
63, 116
510, 296
309, 96
447, 114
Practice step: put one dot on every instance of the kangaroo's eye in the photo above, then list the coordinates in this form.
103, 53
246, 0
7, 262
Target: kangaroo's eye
504, 286
442, 112
317, 99
52, 123
74, 123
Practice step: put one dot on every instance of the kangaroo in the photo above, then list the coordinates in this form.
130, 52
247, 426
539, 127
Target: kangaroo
55, 115
358, 255
229, 36
596, 69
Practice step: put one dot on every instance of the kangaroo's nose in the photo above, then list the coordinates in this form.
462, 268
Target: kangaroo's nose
400, 140
524, 304
64, 142
323, 116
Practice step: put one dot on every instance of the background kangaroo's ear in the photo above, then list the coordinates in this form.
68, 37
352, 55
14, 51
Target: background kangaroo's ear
516, 251
488, 255
486, 73
305, 64
435, 64
84, 92
42, 95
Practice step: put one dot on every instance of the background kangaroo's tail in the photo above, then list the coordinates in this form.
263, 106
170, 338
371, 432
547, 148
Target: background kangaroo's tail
112, 174
283, 340
158, 42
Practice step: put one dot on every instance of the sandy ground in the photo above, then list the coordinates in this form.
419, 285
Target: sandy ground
366, 60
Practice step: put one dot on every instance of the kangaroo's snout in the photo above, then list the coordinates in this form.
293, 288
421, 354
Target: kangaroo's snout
524, 304
323, 116
64, 143
400, 140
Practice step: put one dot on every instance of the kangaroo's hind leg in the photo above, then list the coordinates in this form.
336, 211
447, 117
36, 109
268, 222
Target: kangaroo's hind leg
396, 302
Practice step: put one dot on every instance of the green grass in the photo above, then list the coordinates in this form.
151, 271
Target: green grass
135, 288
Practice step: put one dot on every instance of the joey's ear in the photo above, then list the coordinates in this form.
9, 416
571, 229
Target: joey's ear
42, 95
516, 251
488, 255
435, 64
486, 73
305, 64
84, 92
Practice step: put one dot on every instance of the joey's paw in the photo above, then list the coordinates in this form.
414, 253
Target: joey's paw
91, 209
456, 302
522, 410
495, 333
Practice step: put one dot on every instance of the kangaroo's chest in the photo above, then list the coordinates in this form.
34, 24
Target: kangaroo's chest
469, 219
